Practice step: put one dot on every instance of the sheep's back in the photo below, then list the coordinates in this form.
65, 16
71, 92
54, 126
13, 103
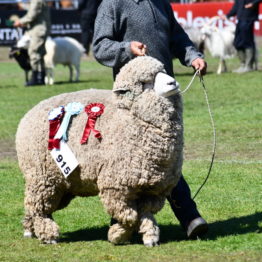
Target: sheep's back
33, 130
67, 51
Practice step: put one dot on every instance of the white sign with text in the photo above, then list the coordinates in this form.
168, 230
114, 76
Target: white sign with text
65, 159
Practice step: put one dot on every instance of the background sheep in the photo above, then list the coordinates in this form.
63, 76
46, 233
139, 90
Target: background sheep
219, 42
22, 58
195, 35
59, 50
133, 168
65, 51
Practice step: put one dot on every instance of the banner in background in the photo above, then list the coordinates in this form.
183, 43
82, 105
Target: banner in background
67, 22
198, 14
64, 23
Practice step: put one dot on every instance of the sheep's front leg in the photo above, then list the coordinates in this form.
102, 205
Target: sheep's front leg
222, 67
49, 78
119, 205
119, 234
149, 229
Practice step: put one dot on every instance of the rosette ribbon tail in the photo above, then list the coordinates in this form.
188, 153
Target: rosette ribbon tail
53, 127
73, 108
93, 111
55, 117
90, 126
62, 132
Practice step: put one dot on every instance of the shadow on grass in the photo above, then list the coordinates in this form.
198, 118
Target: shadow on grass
169, 233
235, 226
78, 82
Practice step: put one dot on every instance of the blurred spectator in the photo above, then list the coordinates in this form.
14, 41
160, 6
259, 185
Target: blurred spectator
23, 5
37, 20
88, 9
66, 4
247, 13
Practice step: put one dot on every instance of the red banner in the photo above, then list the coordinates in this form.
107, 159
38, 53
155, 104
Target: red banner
198, 14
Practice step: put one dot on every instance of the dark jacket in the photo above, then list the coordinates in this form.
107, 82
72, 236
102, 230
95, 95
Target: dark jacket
151, 22
88, 7
243, 13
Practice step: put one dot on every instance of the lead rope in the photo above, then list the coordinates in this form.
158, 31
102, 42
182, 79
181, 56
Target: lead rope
212, 123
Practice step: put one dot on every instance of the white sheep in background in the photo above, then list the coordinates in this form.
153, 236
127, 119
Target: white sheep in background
59, 50
195, 35
62, 50
219, 42
133, 167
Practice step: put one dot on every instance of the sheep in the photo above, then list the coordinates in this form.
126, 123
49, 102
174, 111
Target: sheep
219, 43
195, 35
22, 58
133, 167
59, 50
62, 50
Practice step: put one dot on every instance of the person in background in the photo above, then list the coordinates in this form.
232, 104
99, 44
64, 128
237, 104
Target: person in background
246, 12
37, 20
125, 29
88, 9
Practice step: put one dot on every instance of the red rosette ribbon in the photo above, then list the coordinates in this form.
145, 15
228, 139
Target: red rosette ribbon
93, 111
55, 118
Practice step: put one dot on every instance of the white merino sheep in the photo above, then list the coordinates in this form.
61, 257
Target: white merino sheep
219, 43
132, 168
59, 50
65, 51
195, 35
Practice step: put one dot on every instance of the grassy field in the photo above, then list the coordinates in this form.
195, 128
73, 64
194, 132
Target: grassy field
230, 201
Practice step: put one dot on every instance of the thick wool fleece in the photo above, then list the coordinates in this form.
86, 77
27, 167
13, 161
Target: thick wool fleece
133, 168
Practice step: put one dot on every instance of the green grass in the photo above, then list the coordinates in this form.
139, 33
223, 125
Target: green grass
230, 201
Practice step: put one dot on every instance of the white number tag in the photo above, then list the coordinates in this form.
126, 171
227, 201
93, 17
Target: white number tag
65, 159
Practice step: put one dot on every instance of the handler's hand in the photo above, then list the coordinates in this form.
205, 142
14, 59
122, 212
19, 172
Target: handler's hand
17, 23
200, 64
250, 5
137, 48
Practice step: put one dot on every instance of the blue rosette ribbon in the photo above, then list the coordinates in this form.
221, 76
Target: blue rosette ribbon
71, 109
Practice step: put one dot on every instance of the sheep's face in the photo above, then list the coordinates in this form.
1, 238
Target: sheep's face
163, 85
142, 75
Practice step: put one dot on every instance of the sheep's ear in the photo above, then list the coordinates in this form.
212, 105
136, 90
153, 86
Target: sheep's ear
119, 92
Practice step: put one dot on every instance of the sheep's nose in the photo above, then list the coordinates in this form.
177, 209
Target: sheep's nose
165, 85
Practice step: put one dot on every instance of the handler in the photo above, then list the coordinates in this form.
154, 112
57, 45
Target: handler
125, 29
247, 13
88, 9
37, 20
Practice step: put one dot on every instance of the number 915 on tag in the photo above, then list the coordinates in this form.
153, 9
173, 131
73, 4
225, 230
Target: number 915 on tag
65, 159
63, 165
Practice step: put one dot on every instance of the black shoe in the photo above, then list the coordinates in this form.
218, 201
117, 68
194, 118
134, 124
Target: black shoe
197, 228
36, 79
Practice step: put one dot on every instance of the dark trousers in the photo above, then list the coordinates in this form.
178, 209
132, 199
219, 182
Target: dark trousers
244, 35
183, 206
87, 27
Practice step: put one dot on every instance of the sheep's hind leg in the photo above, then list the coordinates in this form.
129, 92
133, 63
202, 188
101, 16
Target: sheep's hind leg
149, 229
70, 73
42, 198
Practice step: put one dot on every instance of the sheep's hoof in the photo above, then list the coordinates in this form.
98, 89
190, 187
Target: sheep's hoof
28, 234
151, 240
50, 242
118, 235
151, 243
